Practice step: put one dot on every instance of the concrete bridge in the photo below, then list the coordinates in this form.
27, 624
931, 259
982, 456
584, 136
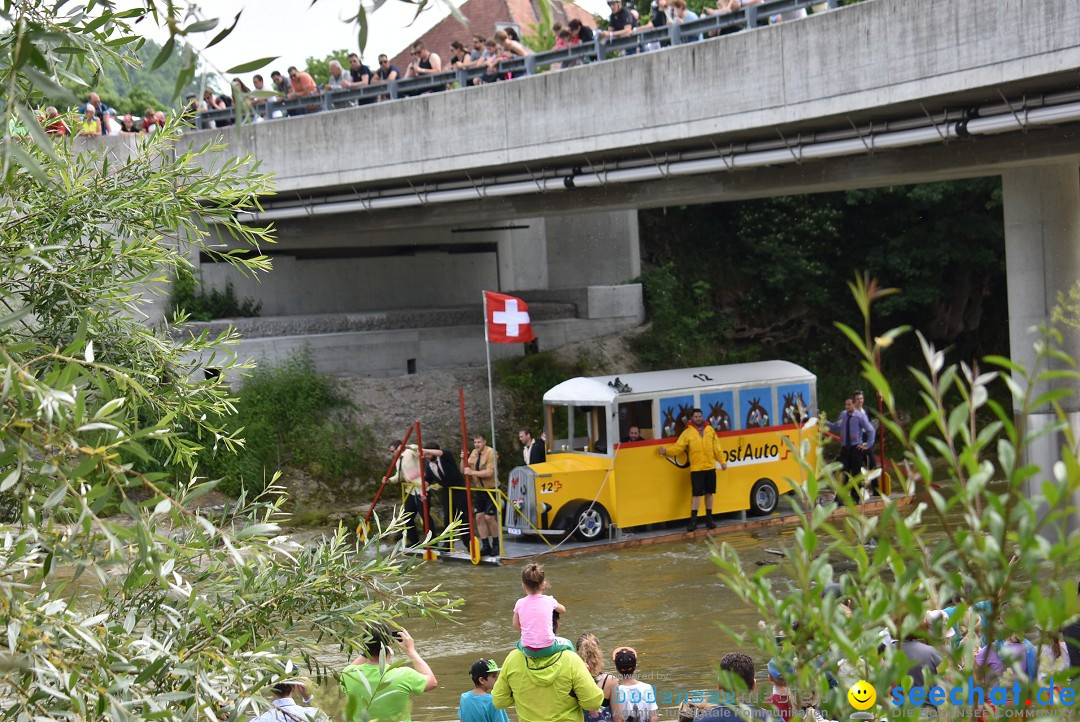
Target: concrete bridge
532, 185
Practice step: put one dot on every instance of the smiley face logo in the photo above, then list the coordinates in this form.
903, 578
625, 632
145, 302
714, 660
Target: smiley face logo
862, 695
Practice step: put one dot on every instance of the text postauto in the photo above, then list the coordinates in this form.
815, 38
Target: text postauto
972, 694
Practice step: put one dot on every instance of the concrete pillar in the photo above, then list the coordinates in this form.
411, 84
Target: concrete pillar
1042, 253
523, 256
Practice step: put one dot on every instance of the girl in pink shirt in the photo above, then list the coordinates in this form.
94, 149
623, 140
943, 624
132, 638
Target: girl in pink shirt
533, 615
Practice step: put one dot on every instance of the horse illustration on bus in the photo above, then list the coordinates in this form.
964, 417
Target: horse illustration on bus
596, 482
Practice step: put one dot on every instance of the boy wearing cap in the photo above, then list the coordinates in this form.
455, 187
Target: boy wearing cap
477, 705
636, 701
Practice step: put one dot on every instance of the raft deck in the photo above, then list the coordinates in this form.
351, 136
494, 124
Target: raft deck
516, 549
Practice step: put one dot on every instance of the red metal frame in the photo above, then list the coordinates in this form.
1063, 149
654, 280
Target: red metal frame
393, 463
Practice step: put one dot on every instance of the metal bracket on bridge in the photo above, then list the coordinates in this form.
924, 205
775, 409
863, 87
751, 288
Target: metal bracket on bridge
1023, 106
419, 197
729, 159
539, 186
869, 148
592, 167
365, 200
664, 173
478, 189
791, 148
943, 134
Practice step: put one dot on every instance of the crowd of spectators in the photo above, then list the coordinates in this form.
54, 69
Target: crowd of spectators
95, 119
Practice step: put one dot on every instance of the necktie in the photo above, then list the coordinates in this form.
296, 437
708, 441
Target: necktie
849, 441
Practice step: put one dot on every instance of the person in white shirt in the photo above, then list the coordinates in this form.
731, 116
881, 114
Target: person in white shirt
635, 700
285, 708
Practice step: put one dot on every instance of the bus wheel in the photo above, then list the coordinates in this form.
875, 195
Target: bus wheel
763, 497
591, 522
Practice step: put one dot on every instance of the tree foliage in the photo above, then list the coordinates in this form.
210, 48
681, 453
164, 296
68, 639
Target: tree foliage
120, 597
1005, 542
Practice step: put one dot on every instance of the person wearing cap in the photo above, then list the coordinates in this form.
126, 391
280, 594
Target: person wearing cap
557, 688
376, 689
621, 22
781, 695
633, 700
284, 706
476, 706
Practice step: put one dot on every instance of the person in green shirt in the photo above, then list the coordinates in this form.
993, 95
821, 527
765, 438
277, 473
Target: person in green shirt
385, 691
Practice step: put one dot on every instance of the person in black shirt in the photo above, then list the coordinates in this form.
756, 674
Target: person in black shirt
620, 23
580, 33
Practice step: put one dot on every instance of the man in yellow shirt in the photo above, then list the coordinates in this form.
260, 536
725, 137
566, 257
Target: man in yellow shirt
699, 441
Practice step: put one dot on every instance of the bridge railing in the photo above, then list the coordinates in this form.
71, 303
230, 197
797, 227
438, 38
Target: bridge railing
598, 50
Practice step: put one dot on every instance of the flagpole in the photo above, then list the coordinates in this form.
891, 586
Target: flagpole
491, 394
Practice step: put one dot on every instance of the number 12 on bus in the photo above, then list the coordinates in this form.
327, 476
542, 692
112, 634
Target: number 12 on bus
598, 476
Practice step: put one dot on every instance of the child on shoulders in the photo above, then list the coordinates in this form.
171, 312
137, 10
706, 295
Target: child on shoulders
533, 615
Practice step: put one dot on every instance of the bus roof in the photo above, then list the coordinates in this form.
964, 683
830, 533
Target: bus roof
602, 390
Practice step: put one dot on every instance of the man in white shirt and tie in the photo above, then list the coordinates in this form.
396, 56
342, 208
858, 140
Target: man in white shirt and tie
532, 451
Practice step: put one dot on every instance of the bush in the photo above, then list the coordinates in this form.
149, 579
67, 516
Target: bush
287, 417
187, 295
1005, 543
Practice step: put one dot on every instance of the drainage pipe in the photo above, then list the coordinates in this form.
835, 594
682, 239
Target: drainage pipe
1006, 120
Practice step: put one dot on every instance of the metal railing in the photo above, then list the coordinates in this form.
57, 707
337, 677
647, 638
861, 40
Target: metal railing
597, 50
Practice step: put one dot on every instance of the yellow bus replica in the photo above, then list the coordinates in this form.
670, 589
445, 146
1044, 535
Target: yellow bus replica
596, 482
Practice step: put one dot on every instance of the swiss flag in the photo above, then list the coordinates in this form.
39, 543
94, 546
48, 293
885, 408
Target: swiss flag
507, 319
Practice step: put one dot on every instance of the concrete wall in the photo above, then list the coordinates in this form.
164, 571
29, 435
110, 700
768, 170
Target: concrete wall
593, 248
388, 353
328, 266
895, 54
341, 285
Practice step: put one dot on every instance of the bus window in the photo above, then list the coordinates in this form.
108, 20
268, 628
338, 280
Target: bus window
639, 414
588, 422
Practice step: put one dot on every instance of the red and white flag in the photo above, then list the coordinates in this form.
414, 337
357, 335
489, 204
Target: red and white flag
507, 319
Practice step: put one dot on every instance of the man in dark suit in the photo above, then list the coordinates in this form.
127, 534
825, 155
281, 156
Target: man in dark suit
533, 451
443, 470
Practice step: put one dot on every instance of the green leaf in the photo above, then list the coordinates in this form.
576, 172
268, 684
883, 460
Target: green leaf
362, 26
251, 65
258, 530
226, 32
11, 479
164, 54
201, 26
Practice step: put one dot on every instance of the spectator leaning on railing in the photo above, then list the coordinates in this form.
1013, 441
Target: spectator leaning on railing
338, 79
359, 74
282, 86
301, 84
620, 23
424, 61
386, 72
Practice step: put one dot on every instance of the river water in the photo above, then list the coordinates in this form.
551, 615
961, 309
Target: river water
664, 600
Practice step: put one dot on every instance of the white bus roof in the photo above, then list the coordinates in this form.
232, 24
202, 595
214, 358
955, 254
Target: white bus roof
596, 391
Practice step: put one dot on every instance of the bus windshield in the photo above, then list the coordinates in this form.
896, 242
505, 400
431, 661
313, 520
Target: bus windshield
576, 428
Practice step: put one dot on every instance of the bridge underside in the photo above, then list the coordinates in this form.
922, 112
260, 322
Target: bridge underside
944, 160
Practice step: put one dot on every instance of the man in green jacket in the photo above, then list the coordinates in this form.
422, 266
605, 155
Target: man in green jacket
546, 689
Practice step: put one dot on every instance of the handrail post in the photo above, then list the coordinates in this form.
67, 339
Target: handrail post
393, 89
751, 17
674, 36
327, 100
530, 65
599, 50
463, 77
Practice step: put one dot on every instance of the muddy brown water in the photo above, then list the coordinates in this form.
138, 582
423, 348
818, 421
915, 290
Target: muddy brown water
664, 600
